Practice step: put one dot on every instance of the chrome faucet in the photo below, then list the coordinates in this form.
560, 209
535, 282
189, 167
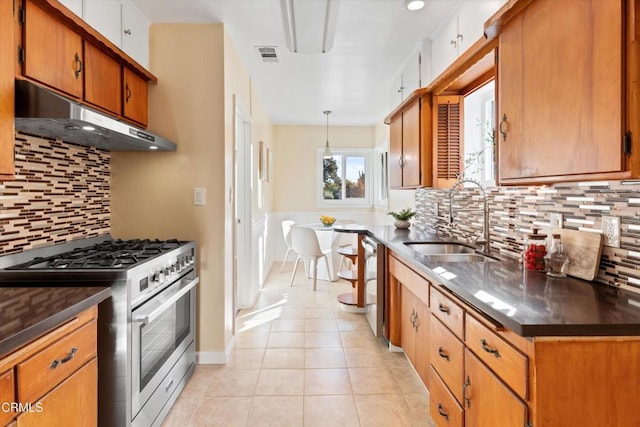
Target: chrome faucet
485, 241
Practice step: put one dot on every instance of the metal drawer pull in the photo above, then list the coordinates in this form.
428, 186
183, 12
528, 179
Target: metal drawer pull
504, 127
443, 308
488, 349
467, 400
168, 386
57, 362
78, 68
412, 317
442, 412
443, 354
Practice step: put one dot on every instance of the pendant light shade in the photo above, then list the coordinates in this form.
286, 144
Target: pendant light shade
327, 151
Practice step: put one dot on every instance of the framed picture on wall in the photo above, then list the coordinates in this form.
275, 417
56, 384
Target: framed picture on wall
262, 164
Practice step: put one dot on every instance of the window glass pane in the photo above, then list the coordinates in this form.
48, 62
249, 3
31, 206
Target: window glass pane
354, 177
332, 178
479, 119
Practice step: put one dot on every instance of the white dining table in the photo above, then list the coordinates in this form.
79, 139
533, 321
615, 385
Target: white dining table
327, 239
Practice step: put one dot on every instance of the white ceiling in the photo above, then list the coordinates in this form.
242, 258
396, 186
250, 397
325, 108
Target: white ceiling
372, 40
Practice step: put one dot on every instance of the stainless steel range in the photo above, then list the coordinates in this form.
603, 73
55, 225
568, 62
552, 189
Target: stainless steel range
146, 331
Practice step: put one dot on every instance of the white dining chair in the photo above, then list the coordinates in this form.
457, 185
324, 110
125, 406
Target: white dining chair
286, 233
305, 243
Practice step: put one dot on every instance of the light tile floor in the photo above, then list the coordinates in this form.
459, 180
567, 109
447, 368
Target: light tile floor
299, 360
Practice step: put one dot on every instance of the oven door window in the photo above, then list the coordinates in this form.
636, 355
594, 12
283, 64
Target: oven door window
160, 338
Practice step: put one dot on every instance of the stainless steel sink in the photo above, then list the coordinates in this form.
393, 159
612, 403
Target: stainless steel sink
439, 248
460, 257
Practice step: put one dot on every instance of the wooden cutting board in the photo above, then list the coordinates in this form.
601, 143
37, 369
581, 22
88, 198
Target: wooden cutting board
583, 249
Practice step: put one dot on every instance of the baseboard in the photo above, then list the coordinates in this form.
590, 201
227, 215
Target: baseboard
215, 357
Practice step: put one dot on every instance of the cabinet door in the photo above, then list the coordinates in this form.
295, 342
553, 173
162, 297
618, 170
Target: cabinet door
444, 49
422, 356
407, 328
487, 401
103, 84
105, 17
135, 33
395, 152
471, 19
7, 94
53, 53
7, 394
411, 145
75, 401
135, 103
560, 90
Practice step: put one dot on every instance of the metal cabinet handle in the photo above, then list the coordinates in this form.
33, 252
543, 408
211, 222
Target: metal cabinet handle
442, 412
127, 32
57, 362
79, 66
503, 127
444, 308
127, 92
466, 399
415, 322
488, 349
412, 317
443, 354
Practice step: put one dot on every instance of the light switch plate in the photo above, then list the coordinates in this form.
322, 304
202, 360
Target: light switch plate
611, 231
556, 220
199, 196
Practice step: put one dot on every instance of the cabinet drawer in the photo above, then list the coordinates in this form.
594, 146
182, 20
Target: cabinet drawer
443, 407
507, 362
53, 364
446, 355
6, 395
448, 312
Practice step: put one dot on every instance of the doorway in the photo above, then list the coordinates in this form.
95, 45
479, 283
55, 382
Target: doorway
244, 293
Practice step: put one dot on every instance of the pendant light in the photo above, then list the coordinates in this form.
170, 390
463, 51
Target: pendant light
327, 151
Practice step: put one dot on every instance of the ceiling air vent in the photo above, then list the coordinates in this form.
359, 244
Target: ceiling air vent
268, 53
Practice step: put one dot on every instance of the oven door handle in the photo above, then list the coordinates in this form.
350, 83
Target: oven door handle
146, 317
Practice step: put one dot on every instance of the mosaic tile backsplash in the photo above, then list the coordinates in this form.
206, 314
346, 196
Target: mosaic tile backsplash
60, 193
515, 211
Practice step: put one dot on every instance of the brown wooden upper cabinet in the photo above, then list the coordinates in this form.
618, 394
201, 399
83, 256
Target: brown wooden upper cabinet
7, 60
410, 144
53, 53
103, 79
561, 92
135, 97
61, 51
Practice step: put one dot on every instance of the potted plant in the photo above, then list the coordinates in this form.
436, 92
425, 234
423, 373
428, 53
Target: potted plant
402, 218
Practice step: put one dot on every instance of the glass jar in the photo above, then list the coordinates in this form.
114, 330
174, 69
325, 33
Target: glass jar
535, 249
556, 261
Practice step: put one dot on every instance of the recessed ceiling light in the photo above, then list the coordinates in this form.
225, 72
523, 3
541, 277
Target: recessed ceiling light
88, 128
414, 4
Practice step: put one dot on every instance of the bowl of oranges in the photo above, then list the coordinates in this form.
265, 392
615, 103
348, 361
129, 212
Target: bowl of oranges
327, 221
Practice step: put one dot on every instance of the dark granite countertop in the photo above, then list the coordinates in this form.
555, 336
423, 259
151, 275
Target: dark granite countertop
27, 313
528, 302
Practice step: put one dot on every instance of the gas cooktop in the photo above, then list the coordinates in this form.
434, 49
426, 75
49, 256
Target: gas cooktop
110, 254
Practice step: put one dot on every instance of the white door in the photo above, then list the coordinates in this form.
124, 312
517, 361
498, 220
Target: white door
245, 291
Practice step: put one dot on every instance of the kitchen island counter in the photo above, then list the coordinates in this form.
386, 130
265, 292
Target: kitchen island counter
527, 302
26, 313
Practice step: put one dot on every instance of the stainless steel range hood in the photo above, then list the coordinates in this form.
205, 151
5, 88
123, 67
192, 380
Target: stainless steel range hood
43, 113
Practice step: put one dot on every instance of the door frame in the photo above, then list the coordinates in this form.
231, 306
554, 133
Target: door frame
242, 208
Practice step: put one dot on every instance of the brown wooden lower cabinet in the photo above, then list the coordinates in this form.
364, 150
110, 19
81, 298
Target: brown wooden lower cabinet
443, 407
54, 379
69, 401
487, 400
482, 375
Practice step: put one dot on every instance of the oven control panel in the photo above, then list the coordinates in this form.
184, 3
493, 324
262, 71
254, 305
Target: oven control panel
163, 271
